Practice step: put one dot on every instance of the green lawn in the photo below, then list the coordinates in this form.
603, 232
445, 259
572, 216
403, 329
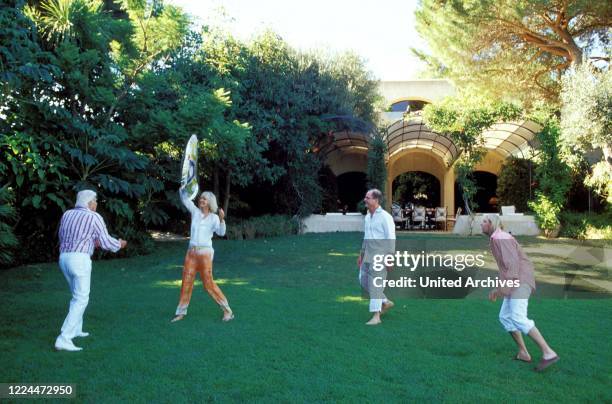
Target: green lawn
299, 333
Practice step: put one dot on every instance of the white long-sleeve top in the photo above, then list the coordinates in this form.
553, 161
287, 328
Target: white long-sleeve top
202, 227
379, 234
379, 225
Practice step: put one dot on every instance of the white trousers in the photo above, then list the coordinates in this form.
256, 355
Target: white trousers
375, 304
76, 268
513, 313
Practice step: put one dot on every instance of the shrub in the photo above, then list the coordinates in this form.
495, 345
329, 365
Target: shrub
8, 241
553, 177
361, 207
263, 226
547, 213
586, 226
513, 184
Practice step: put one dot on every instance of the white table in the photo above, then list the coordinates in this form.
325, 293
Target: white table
517, 224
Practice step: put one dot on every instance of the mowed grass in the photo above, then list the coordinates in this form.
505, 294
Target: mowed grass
298, 336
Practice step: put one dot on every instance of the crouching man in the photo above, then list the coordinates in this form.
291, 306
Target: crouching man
514, 265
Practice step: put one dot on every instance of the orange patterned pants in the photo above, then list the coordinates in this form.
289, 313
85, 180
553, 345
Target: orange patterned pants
201, 263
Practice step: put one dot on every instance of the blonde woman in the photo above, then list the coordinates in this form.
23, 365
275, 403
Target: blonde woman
199, 258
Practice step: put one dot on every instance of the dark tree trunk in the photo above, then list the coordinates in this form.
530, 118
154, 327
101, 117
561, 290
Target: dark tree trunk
216, 181
226, 196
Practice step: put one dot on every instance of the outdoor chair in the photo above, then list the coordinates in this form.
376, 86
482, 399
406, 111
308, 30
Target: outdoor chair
398, 215
418, 215
440, 216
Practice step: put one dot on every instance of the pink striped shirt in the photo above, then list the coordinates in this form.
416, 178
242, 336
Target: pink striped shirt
80, 228
512, 261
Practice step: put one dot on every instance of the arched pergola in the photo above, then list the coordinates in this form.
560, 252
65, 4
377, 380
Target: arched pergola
414, 134
345, 151
412, 146
512, 138
346, 148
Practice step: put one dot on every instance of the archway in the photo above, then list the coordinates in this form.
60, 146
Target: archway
428, 175
487, 189
412, 146
351, 189
417, 187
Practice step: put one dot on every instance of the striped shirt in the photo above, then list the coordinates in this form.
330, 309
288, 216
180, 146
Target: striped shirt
81, 228
512, 261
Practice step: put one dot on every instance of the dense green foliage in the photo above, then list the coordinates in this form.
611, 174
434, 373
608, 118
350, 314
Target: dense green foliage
104, 95
552, 176
263, 226
541, 54
8, 241
513, 183
377, 166
586, 226
513, 49
586, 125
463, 120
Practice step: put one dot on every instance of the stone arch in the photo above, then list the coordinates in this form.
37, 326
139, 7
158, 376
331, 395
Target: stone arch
414, 159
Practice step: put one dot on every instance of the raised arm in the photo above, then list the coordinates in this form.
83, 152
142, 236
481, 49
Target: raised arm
188, 203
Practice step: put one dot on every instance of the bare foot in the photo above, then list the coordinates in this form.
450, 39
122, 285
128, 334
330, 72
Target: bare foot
549, 355
523, 356
545, 363
387, 306
177, 318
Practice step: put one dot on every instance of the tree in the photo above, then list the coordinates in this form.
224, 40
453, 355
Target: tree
463, 119
174, 101
62, 132
234, 68
552, 174
286, 97
517, 48
513, 183
377, 167
586, 124
104, 94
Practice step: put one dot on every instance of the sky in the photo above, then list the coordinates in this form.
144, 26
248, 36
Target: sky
382, 32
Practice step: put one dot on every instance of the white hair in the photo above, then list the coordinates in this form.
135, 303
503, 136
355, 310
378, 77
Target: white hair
84, 197
212, 200
496, 222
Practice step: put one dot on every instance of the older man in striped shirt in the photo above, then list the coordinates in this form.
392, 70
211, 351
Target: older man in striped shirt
81, 231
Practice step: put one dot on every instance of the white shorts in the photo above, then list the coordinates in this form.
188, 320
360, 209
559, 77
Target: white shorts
513, 313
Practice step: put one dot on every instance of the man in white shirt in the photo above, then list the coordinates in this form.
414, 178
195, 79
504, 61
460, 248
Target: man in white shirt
379, 237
